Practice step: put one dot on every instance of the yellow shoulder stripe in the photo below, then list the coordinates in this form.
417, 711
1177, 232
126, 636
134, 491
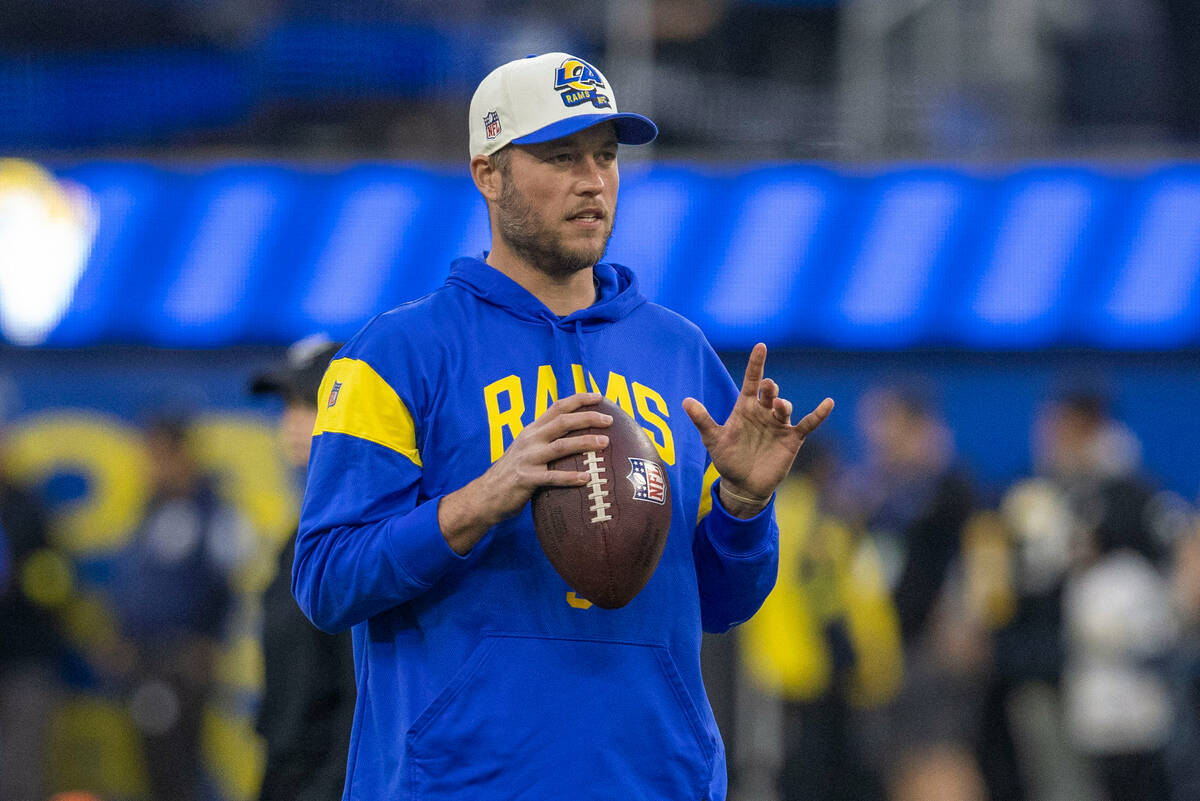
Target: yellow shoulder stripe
354, 400
710, 477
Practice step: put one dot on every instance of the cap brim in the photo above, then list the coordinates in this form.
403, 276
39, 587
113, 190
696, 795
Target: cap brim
632, 129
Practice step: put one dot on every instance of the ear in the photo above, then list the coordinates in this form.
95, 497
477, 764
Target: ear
488, 180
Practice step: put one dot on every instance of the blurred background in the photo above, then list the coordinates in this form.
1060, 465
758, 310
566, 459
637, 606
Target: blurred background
974, 223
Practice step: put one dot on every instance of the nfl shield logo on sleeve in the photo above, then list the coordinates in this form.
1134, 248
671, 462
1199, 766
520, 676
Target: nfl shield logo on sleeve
491, 122
649, 483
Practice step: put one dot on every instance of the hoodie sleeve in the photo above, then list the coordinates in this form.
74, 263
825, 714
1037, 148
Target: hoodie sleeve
736, 560
367, 541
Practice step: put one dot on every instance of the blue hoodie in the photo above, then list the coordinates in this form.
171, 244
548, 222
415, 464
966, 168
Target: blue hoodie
484, 676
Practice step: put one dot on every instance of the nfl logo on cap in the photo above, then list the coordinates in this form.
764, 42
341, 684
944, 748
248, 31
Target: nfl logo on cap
491, 122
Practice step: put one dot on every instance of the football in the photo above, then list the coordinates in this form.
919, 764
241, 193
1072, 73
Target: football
605, 538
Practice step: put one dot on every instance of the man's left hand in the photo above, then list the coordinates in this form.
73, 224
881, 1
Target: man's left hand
754, 450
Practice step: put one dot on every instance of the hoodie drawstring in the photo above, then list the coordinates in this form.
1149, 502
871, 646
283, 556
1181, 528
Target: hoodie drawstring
582, 343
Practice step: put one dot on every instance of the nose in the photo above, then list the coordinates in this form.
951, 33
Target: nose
591, 177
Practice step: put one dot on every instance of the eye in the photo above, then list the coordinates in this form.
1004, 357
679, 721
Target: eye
563, 158
607, 156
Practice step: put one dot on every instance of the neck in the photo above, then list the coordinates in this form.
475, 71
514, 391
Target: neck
562, 294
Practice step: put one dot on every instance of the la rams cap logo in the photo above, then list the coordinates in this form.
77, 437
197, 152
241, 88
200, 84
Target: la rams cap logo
649, 483
578, 82
491, 124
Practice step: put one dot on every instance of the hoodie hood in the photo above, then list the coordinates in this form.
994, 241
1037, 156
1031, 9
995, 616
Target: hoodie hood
617, 294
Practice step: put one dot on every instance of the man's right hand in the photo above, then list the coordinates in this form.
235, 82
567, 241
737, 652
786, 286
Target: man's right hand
466, 514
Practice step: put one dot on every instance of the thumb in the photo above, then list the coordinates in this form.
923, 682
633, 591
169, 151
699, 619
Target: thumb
701, 419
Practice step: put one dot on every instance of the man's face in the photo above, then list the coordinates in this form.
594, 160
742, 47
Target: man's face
295, 431
173, 468
883, 425
1064, 438
558, 200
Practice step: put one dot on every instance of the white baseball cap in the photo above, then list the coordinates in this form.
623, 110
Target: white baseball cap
545, 97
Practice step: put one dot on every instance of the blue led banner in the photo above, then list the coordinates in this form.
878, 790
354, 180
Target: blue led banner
795, 255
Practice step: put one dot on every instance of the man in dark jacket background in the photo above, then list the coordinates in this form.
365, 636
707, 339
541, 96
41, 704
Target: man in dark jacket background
308, 696
30, 645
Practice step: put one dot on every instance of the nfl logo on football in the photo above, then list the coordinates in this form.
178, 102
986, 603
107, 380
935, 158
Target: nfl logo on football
491, 122
649, 483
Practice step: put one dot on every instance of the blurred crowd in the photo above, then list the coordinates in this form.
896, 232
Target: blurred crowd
724, 78
170, 595
928, 638
929, 641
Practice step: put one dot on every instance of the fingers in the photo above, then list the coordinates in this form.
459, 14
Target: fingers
531, 467
563, 478
814, 418
783, 410
572, 403
556, 427
768, 391
569, 414
754, 370
700, 418
567, 446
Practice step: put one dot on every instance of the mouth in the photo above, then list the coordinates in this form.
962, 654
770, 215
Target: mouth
588, 217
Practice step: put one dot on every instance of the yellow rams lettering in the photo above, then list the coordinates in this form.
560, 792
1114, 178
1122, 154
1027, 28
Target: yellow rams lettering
546, 392
577, 376
505, 402
510, 417
617, 391
664, 441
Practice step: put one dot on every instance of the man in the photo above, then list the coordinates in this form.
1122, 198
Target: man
913, 500
30, 643
170, 590
308, 693
826, 642
481, 674
1117, 629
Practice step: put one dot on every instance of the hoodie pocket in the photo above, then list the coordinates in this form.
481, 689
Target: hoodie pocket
537, 717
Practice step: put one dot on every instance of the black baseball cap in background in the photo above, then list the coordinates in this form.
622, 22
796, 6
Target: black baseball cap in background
298, 377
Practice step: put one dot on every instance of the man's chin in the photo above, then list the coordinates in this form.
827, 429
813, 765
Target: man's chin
566, 260
583, 260
557, 258
588, 252
569, 264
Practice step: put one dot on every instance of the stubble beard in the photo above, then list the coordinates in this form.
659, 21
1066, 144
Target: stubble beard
527, 235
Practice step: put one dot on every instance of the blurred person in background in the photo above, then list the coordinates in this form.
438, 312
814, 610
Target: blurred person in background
309, 688
5, 561
1185, 743
1182, 23
30, 644
826, 641
913, 499
172, 595
1116, 601
1094, 625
